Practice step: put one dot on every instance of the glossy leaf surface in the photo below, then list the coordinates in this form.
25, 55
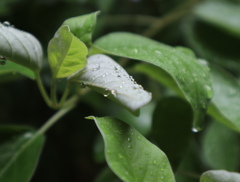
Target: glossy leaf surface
220, 176
66, 53
83, 26
19, 153
226, 100
191, 76
221, 147
20, 47
107, 77
223, 14
130, 155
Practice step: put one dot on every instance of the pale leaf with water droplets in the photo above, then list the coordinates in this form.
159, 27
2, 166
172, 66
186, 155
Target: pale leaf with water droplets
106, 76
20, 47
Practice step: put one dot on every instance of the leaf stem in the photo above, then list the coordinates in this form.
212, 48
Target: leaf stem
65, 94
68, 106
42, 89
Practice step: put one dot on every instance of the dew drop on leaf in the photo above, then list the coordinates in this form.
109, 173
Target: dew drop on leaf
209, 91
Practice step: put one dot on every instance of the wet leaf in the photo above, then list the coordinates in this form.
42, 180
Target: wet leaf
192, 76
107, 77
131, 157
20, 47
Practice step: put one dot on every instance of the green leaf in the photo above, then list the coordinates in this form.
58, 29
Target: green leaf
19, 153
130, 155
226, 99
107, 77
66, 53
220, 147
83, 26
220, 176
172, 115
11, 67
20, 47
191, 76
159, 75
222, 14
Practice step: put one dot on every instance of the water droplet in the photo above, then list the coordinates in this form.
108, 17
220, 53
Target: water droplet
28, 135
7, 24
114, 93
162, 169
117, 68
202, 62
129, 139
209, 91
104, 76
136, 50
106, 94
158, 52
129, 146
146, 153
83, 85
97, 67
139, 137
195, 130
120, 156
2, 60
120, 86
154, 162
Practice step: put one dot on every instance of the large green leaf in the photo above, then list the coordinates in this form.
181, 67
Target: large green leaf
11, 67
107, 77
191, 76
66, 53
19, 153
130, 155
223, 14
20, 47
225, 105
83, 26
220, 176
171, 128
221, 147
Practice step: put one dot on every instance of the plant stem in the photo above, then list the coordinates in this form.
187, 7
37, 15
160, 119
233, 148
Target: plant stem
65, 94
51, 121
170, 18
42, 89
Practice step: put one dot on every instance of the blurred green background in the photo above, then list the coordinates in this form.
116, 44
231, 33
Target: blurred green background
73, 150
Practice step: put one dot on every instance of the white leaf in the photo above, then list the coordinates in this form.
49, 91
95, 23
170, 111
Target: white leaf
107, 77
20, 47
